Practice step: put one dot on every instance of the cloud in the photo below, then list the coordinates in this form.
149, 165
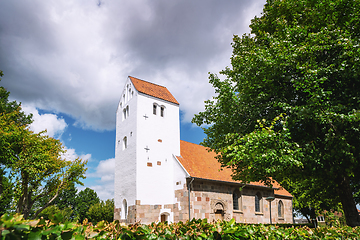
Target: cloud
104, 175
71, 155
53, 125
74, 56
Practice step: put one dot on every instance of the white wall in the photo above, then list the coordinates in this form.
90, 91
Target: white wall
125, 159
155, 184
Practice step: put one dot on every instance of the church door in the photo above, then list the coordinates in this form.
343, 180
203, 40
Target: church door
219, 215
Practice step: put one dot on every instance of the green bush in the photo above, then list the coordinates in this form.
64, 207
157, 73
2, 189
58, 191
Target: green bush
15, 227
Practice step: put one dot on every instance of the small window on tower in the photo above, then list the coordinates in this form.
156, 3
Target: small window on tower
124, 114
124, 143
154, 109
162, 111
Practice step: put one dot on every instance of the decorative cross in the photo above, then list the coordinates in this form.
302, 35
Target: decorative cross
147, 148
145, 116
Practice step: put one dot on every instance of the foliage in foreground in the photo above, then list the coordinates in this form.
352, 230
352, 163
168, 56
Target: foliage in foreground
15, 227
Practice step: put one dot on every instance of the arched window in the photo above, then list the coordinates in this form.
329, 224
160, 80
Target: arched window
280, 209
124, 210
162, 109
124, 143
154, 109
124, 114
258, 202
127, 111
237, 203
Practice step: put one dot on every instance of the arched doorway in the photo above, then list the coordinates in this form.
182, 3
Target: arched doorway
219, 211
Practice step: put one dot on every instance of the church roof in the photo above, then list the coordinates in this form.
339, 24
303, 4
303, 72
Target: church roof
153, 90
200, 163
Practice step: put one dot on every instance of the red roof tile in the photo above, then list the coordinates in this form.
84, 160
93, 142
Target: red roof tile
153, 90
201, 163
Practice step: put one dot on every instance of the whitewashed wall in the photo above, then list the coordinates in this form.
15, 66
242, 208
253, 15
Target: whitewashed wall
162, 136
125, 159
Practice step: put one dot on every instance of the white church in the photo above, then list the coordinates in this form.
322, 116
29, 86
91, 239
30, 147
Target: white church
158, 177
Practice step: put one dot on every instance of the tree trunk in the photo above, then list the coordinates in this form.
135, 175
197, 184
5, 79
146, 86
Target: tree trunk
348, 204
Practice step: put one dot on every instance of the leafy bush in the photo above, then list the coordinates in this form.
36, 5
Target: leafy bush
15, 227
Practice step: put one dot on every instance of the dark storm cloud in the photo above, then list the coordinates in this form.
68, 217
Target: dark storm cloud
74, 56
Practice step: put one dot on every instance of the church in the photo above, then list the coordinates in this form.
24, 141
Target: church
159, 177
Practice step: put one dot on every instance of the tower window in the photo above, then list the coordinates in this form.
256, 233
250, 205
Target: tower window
124, 114
154, 109
162, 111
124, 143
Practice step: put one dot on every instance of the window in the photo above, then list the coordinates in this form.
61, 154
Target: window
124, 210
258, 202
124, 143
124, 114
162, 111
237, 200
280, 209
154, 109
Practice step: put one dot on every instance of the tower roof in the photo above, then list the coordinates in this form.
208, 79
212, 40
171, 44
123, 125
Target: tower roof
200, 163
153, 90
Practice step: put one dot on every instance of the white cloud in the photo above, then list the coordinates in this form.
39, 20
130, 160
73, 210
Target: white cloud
50, 122
71, 155
104, 174
74, 56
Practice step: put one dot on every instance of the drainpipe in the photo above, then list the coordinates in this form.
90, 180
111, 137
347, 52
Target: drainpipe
189, 191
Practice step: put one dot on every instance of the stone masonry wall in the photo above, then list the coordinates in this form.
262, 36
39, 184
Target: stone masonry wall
204, 197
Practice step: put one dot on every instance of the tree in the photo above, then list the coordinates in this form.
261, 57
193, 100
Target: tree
35, 165
20, 117
6, 195
65, 202
102, 211
289, 106
84, 200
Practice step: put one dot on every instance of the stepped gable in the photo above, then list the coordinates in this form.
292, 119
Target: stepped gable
200, 163
153, 90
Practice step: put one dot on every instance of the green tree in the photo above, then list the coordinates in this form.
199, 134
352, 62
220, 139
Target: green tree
6, 195
102, 211
65, 201
289, 106
84, 200
7, 106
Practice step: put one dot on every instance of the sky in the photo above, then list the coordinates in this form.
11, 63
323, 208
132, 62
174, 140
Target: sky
67, 62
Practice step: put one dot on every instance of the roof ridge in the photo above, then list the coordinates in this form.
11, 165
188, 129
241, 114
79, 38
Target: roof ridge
153, 89
148, 82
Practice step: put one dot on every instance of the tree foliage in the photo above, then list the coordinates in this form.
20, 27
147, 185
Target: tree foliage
84, 200
102, 211
33, 162
289, 106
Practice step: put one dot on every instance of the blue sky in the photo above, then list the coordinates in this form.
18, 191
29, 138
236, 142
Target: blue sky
67, 62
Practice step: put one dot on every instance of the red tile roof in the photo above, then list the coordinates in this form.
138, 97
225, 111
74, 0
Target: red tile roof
153, 90
200, 163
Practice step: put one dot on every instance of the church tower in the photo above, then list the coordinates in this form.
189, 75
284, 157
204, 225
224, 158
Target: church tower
147, 139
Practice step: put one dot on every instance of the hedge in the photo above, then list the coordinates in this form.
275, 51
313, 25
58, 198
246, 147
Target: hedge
15, 227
